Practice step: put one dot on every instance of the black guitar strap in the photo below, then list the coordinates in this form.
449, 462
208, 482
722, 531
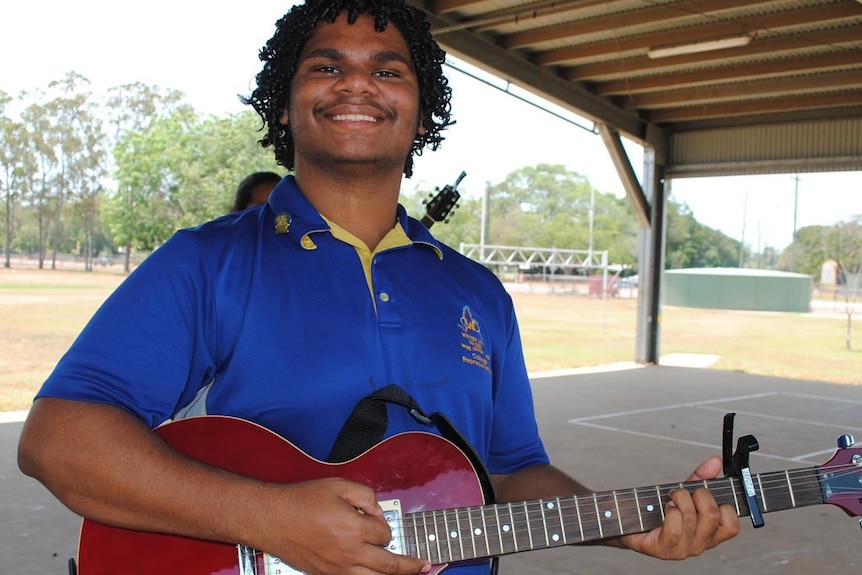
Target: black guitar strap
367, 424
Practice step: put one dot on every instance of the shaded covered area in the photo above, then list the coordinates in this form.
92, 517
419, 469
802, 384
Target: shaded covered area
706, 87
614, 430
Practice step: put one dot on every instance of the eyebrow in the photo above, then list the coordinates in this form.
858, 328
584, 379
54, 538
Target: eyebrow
382, 57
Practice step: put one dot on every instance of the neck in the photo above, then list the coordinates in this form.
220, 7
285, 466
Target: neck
362, 203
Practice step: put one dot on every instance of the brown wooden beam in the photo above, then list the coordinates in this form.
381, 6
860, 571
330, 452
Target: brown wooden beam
775, 106
731, 72
771, 46
643, 42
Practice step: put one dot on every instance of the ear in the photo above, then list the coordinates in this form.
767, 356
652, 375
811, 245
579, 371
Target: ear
284, 118
421, 129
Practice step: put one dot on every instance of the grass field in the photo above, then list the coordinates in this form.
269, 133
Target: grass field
41, 312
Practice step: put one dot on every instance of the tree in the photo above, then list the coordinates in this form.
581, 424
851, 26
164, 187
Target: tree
843, 243
690, 244
132, 110
15, 161
810, 251
549, 206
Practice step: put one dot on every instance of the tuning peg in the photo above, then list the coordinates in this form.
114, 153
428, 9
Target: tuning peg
845, 441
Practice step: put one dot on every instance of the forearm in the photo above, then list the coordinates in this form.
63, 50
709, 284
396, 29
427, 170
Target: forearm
106, 465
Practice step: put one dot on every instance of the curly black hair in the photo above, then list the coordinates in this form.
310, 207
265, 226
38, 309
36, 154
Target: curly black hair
281, 52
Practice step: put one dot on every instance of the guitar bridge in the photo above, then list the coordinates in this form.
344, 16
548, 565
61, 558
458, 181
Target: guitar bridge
254, 562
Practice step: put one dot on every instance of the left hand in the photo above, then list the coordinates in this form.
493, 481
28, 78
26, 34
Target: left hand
694, 522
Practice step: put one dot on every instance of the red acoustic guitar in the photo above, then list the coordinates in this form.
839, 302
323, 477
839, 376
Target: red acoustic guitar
433, 501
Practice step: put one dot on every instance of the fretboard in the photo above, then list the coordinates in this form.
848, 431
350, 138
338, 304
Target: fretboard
449, 535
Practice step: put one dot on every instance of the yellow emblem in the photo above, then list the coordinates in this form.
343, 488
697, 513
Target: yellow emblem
282, 223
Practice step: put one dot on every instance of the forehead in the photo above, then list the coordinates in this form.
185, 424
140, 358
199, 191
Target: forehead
341, 35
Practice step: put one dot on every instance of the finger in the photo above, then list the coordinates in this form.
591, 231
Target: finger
708, 521
382, 561
680, 525
360, 497
709, 469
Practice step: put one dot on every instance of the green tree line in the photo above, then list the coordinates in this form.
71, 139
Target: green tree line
98, 175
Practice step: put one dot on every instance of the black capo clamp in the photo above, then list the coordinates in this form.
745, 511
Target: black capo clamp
736, 465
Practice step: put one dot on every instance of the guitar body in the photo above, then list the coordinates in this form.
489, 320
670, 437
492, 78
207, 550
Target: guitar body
421, 470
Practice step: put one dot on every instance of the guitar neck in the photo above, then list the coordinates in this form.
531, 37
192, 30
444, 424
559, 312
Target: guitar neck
448, 535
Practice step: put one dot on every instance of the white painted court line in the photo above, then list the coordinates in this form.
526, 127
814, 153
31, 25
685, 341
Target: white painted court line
779, 418
672, 406
13, 416
716, 448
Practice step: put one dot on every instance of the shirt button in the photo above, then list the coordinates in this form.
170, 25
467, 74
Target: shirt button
384, 297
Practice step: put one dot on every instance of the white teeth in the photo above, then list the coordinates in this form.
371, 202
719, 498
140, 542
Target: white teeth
354, 118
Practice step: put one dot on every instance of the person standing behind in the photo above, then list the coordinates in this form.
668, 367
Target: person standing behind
254, 189
288, 316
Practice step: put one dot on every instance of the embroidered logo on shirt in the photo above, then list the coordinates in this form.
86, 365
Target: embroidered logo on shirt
282, 223
472, 343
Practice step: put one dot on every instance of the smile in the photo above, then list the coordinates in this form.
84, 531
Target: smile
354, 118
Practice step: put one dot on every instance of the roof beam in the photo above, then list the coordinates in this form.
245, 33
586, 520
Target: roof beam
777, 108
516, 69
642, 42
771, 46
773, 88
652, 14
734, 73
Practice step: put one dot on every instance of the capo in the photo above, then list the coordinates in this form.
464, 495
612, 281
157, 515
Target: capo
736, 465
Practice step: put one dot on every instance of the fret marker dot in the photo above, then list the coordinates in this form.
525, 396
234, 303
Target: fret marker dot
555, 537
650, 508
608, 514
453, 534
505, 528
432, 537
477, 531
549, 505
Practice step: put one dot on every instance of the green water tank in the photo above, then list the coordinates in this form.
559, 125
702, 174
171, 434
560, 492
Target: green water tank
737, 288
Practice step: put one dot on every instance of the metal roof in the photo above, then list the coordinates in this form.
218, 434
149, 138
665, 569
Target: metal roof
795, 62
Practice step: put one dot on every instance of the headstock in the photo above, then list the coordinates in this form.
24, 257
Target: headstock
440, 206
841, 477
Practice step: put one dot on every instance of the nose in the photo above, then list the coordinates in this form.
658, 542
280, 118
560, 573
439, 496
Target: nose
356, 81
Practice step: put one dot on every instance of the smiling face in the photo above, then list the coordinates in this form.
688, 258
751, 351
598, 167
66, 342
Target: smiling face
354, 98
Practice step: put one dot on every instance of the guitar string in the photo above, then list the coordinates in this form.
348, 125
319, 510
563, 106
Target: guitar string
589, 520
569, 508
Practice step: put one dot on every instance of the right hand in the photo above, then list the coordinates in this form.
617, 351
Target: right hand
336, 527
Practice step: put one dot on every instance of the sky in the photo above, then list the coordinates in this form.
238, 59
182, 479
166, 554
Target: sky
211, 55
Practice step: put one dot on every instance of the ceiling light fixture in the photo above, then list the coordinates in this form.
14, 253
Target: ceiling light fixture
702, 46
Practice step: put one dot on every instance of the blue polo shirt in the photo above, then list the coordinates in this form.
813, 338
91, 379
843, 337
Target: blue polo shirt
267, 316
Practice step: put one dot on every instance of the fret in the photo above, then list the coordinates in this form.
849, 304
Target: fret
434, 539
790, 489
638, 506
619, 515
447, 534
528, 528
598, 518
660, 503
580, 521
650, 508
491, 520
499, 524
458, 534
510, 543
562, 522
735, 498
607, 514
479, 529
552, 521
629, 514
412, 538
763, 505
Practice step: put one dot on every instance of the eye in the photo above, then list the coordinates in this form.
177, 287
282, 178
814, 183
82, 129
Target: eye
387, 74
326, 69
